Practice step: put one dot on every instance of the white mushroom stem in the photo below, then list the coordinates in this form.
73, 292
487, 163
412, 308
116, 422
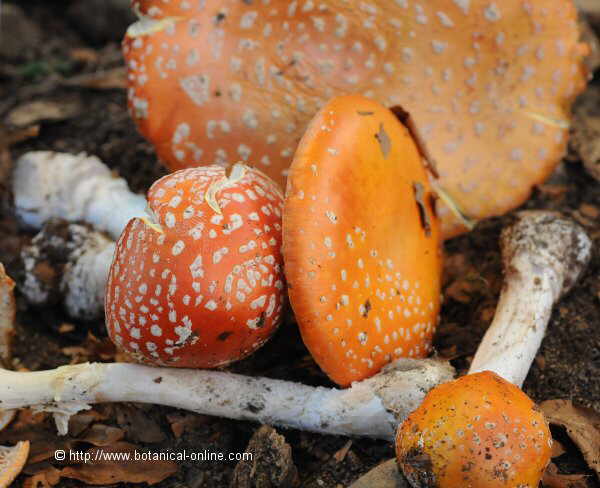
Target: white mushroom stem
79, 259
75, 188
371, 408
543, 256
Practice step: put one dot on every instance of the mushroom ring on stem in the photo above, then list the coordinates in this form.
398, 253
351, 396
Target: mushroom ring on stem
371, 408
482, 430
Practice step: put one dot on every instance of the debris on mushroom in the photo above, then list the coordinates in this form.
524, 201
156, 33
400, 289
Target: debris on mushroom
67, 263
199, 284
12, 461
488, 84
79, 187
369, 408
361, 241
482, 430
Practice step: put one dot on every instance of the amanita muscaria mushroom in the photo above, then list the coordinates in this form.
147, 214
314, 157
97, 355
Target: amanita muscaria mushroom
361, 241
489, 84
482, 431
199, 283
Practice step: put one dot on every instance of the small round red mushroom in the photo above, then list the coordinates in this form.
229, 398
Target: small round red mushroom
361, 241
200, 284
478, 431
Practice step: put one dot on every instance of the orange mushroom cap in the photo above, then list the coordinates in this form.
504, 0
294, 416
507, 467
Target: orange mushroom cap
489, 84
361, 241
203, 285
477, 431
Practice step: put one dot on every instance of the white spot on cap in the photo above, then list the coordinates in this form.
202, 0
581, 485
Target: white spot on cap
492, 13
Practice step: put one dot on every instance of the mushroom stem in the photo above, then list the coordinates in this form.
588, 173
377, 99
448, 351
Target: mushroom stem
371, 408
58, 185
543, 255
78, 259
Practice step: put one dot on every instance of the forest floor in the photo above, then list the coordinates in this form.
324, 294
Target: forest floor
58, 63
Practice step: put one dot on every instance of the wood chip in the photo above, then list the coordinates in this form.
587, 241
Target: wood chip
31, 113
385, 475
340, 455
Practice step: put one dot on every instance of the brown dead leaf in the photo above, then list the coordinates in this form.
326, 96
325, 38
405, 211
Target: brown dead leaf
111, 79
31, 113
552, 479
557, 449
84, 55
103, 435
582, 425
103, 471
138, 425
340, 455
185, 422
42, 475
82, 420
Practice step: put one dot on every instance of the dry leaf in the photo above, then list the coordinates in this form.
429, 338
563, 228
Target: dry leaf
82, 420
103, 471
103, 435
340, 455
111, 79
138, 425
582, 425
184, 422
43, 475
31, 113
7, 314
552, 479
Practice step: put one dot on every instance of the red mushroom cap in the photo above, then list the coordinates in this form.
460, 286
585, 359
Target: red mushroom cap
477, 431
488, 83
202, 284
361, 241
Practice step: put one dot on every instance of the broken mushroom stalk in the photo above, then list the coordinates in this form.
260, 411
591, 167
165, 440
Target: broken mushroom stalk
370, 408
482, 430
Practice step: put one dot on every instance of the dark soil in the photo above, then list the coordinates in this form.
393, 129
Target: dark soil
567, 366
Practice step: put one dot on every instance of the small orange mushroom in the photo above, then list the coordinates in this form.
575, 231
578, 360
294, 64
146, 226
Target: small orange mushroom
477, 431
361, 241
488, 83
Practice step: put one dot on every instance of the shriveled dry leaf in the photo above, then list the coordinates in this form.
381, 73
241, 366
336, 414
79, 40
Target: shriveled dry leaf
7, 314
138, 425
36, 111
385, 475
552, 479
103, 435
42, 475
82, 420
185, 422
103, 471
111, 79
582, 425
340, 455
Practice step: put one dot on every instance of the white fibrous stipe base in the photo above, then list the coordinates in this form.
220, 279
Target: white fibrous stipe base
372, 408
79, 187
543, 255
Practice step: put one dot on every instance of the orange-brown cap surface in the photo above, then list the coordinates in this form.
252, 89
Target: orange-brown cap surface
488, 83
361, 242
478, 431
201, 285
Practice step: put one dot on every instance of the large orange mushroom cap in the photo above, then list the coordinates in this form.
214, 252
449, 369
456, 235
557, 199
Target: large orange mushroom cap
201, 285
361, 241
477, 431
489, 84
